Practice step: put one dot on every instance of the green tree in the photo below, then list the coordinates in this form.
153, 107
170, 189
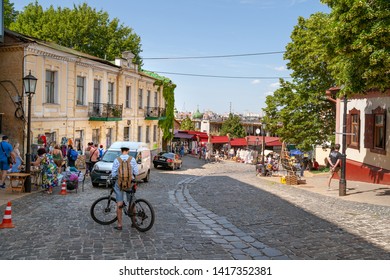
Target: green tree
187, 124
10, 13
233, 127
360, 34
82, 28
298, 111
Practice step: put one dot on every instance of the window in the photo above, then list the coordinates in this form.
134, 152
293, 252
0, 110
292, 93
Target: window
80, 91
379, 131
353, 129
50, 86
108, 137
78, 141
140, 98
110, 99
50, 137
96, 91
126, 133
148, 99
139, 134
147, 134
155, 133
96, 136
128, 97
155, 99
375, 131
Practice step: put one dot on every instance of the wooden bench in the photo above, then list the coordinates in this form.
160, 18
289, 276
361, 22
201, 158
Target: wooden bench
17, 181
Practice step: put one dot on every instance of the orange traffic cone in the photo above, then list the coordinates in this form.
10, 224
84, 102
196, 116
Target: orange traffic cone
7, 220
63, 188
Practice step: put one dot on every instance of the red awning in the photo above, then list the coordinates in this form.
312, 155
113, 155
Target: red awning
183, 135
238, 142
219, 139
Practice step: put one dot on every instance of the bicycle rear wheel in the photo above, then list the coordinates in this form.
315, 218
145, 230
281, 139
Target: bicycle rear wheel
103, 210
142, 215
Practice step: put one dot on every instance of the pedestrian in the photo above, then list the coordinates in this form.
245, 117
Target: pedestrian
94, 157
181, 151
49, 170
57, 156
5, 153
334, 160
101, 151
87, 153
119, 194
18, 159
316, 165
70, 155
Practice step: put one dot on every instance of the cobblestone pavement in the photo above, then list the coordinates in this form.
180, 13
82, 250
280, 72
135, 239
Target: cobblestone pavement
203, 211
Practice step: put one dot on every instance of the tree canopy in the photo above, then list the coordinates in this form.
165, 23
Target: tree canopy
233, 127
350, 48
10, 13
82, 28
360, 33
187, 124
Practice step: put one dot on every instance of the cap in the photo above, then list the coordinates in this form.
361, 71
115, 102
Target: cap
124, 148
5, 137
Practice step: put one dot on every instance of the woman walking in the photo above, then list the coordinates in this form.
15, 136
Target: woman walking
49, 170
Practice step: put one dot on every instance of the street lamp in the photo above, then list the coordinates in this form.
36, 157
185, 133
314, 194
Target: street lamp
263, 125
342, 181
30, 83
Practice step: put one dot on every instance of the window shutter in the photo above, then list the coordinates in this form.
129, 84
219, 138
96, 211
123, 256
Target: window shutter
369, 131
348, 128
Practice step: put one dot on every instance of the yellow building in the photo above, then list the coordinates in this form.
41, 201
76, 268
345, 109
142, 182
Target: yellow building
79, 98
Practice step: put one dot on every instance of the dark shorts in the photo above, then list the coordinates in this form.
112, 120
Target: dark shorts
4, 165
336, 170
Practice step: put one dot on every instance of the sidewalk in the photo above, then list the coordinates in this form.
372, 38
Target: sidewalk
356, 191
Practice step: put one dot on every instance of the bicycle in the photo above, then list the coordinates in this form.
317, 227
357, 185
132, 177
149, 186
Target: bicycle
140, 211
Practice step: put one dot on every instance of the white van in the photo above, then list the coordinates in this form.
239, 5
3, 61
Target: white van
138, 150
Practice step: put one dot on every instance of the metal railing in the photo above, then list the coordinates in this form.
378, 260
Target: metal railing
104, 110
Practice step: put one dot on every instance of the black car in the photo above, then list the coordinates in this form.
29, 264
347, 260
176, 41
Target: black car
168, 160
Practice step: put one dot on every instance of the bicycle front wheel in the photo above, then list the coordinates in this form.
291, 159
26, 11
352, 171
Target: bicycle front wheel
103, 210
142, 215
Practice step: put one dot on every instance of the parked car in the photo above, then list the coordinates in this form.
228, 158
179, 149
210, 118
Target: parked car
167, 160
138, 150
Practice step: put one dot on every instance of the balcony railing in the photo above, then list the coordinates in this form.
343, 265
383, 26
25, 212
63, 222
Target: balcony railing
104, 112
154, 113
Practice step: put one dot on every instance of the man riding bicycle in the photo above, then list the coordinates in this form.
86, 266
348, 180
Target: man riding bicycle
119, 194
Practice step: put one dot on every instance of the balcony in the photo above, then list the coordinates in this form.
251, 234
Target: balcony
104, 112
155, 113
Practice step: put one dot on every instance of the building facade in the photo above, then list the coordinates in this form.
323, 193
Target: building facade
78, 99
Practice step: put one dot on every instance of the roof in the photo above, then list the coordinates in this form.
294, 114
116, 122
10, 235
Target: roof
219, 139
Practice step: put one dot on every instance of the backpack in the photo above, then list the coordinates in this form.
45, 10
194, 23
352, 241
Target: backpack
125, 174
73, 154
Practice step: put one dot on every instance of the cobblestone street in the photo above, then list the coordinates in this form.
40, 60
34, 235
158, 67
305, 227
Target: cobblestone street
203, 211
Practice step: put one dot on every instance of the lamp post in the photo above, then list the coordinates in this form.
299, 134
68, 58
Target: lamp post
263, 125
30, 83
342, 181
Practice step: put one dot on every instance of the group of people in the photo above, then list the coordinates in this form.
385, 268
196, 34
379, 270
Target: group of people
51, 160
10, 159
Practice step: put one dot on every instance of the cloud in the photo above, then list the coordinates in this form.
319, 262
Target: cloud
269, 93
255, 82
274, 85
280, 68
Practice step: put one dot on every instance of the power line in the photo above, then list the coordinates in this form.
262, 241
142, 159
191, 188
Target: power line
214, 56
224, 77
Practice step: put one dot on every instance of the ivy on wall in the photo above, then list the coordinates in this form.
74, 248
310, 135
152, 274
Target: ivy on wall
169, 96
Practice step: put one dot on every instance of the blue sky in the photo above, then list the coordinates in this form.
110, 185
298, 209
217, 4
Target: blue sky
183, 28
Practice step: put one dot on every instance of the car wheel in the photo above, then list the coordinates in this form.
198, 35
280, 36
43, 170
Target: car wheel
179, 167
95, 185
155, 166
173, 167
146, 179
